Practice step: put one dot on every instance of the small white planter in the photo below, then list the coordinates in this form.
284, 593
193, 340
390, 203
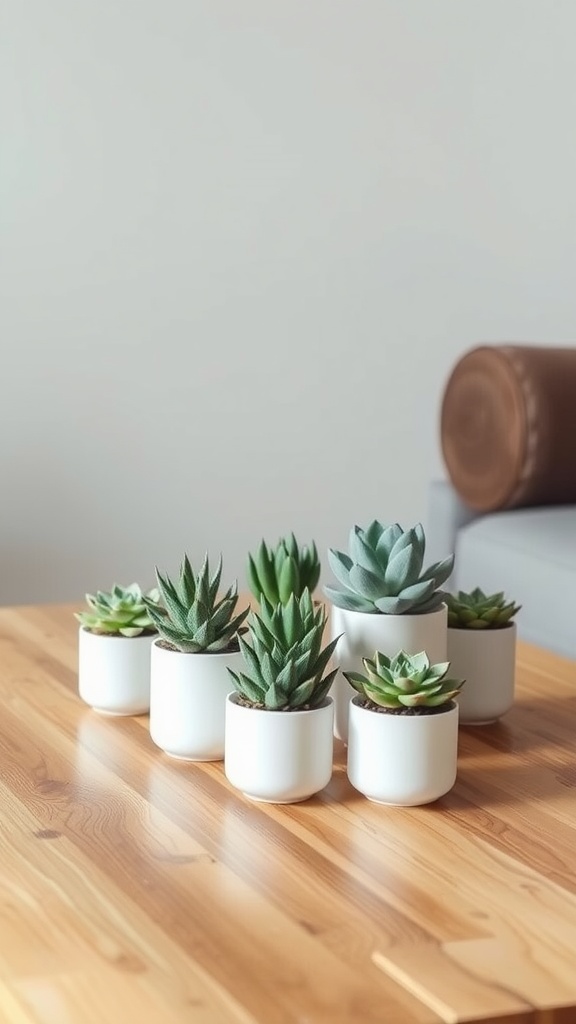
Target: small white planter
363, 634
405, 760
114, 672
278, 756
486, 659
188, 702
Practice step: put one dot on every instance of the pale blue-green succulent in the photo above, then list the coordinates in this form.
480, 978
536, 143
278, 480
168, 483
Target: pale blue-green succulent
194, 618
284, 570
477, 610
405, 681
284, 657
122, 611
383, 572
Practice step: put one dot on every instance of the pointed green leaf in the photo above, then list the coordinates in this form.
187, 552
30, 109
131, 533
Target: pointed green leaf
187, 583
267, 574
286, 678
393, 605
356, 680
324, 657
302, 693
417, 593
252, 662
439, 571
250, 689
432, 604
174, 608
340, 565
382, 699
366, 556
373, 533
388, 538
215, 582
352, 602
289, 581
313, 568
292, 621
366, 584
291, 547
267, 670
322, 689
403, 566
253, 578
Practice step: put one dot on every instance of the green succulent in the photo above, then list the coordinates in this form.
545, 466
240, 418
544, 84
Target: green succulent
194, 619
284, 570
405, 681
122, 611
477, 610
383, 572
284, 656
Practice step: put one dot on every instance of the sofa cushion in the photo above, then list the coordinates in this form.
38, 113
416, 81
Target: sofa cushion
531, 555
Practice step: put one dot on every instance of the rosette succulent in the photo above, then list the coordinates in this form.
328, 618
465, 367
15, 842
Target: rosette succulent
383, 572
284, 657
405, 681
477, 610
122, 611
194, 618
284, 570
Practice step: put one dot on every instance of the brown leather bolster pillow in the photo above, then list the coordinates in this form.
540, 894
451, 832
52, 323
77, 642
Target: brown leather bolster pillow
508, 426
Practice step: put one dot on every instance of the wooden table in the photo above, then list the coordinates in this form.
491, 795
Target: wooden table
140, 889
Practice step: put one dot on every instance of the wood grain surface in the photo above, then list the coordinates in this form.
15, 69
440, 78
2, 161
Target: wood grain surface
136, 888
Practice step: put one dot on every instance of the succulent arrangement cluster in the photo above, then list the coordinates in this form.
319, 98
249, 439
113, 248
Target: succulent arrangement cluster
286, 664
286, 569
121, 611
383, 572
194, 618
477, 610
404, 681
284, 656
276, 660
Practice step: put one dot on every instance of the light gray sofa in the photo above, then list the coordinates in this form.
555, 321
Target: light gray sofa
530, 553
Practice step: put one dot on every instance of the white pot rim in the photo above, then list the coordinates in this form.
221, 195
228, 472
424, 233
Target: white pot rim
451, 705
151, 635
234, 696
390, 615
483, 632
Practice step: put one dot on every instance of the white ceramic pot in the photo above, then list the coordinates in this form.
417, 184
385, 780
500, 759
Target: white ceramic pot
486, 659
402, 759
114, 672
278, 757
188, 702
364, 634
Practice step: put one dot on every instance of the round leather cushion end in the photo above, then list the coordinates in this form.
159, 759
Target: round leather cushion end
508, 426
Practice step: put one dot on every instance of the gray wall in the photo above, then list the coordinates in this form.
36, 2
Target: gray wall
244, 241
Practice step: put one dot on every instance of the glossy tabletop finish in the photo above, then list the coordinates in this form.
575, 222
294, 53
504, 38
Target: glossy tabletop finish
136, 888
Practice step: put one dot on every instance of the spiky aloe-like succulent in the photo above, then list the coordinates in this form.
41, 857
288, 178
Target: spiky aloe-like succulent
477, 610
284, 656
193, 618
122, 611
383, 572
405, 681
284, 570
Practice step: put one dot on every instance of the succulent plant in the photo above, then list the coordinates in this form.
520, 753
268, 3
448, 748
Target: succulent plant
284, 570
193, 618
383, 572
405, 681
284, 656
477, 610
122, 611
